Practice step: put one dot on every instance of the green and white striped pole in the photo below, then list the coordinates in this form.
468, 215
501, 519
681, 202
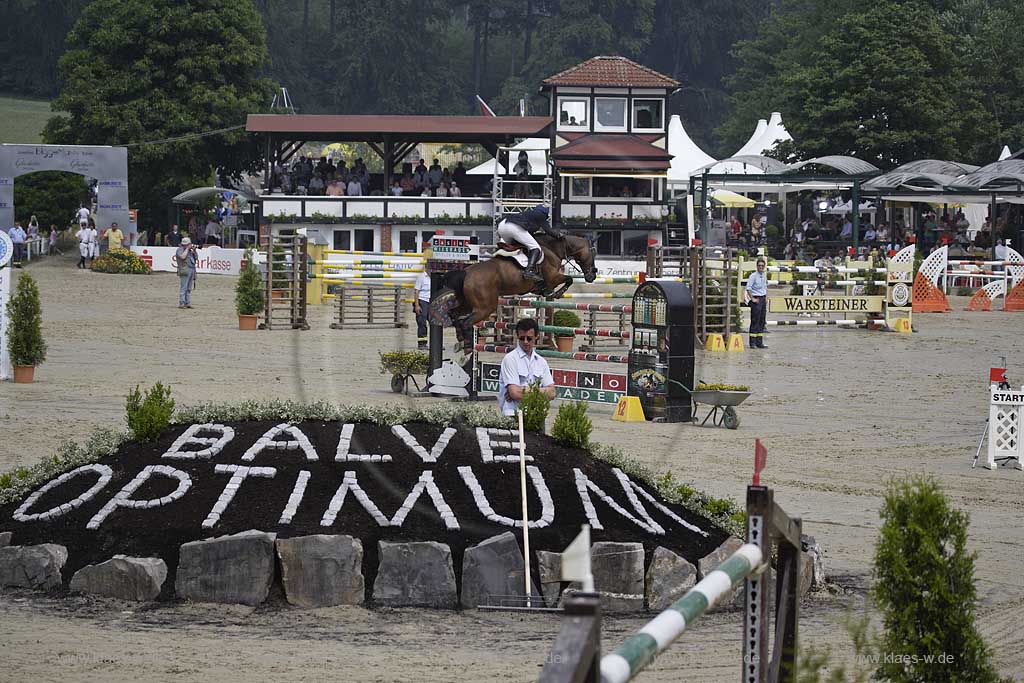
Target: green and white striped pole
640, 650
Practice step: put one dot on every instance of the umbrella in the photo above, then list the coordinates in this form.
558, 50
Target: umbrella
731, 200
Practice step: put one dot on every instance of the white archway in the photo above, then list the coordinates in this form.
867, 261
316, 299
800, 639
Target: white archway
108, 165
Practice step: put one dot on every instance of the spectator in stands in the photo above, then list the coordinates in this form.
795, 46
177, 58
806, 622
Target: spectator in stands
735, 227
882, 234
443, 190
459, 174
316, 185
408, 184
173, 238
434, 176
522, 172
341, 171
321, 168
626, 192
454, 190
870, 235
335, 188
847, 231
446, 177
396, 189
419, 176
213, 232
354, 188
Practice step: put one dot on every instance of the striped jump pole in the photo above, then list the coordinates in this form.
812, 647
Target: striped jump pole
566, 305
640, 649
837, 283
375, 262
569, 355
361, 282
375, 275
356, 252
561, 331
370, 269
821, 269
597, 295
811, 323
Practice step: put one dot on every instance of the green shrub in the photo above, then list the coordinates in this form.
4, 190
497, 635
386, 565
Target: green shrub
535, 406
964, 291
149, 416
572, 427
121, 262
566, 319
924, 588
25, 333
771, 230
249, 288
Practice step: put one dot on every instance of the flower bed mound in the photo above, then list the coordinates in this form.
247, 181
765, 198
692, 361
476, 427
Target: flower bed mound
467, 465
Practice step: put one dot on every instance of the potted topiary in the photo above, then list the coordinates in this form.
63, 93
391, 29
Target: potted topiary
25, 341
568, 321
249, 293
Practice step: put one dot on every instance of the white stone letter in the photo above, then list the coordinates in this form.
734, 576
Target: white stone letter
214, 445
123, 497
269, 441
238, 475
410, 441
484, 505
105, 474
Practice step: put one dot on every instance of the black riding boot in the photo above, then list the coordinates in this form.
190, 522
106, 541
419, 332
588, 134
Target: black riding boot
532, 266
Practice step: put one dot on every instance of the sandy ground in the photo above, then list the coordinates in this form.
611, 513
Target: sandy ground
841, 412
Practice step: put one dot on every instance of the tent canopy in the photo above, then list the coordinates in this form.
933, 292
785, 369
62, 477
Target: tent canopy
731, 200
198, 195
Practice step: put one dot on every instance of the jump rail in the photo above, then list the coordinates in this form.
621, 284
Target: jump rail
576, 653
571, 355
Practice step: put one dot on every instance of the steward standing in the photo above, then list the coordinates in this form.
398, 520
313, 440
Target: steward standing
757, 295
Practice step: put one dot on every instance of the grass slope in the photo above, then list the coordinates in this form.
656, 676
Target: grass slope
22, 120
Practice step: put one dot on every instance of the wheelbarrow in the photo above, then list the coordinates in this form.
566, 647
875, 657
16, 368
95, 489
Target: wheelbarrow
722, 412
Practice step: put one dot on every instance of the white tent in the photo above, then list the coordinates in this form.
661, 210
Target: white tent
1006, 153
687, 157
774, 131
535, 152
847, 206
750, 146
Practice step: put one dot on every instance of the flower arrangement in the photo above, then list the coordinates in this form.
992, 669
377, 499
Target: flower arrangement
121, 261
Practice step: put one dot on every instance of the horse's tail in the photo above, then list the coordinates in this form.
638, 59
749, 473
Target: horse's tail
454, 280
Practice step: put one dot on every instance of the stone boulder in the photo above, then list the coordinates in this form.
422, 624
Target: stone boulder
710, 563
236, 569
549, 566
5, 538
322, 570
32, 566
618, 570
668, 578
492, 572
127, 578
416, 574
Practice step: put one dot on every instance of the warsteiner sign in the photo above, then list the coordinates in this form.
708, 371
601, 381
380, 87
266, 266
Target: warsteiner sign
825, 304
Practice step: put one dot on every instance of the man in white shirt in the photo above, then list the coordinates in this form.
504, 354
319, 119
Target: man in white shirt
83, 216
17, 235
757, 295
87, 245
521, 367
420, 308
1000, 255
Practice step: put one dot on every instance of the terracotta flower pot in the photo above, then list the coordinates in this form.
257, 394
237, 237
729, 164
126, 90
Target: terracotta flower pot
23, 374
246, 322
564, 344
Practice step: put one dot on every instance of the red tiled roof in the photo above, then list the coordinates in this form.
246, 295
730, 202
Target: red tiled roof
611, 72
611, 151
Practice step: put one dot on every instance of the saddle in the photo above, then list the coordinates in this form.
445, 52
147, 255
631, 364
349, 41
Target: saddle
512, 251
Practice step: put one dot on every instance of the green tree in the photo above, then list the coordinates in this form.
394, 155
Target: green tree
888, 82
924, 586
51, 196
139, 71
25, 341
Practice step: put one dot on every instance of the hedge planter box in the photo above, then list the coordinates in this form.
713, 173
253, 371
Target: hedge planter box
247, 322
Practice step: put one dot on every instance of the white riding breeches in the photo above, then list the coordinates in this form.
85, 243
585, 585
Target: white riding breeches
511, 232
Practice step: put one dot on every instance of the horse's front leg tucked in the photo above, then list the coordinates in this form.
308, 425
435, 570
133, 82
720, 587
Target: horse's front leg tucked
560, 290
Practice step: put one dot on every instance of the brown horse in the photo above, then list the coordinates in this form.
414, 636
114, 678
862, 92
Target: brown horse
478, 288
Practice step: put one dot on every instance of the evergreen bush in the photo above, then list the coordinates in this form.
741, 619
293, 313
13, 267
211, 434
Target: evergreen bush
148, 416
249, 288
572, 427
566, 319
535, 406
25, 333
924, 588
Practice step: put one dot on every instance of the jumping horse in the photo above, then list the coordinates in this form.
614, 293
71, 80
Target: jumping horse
475, 291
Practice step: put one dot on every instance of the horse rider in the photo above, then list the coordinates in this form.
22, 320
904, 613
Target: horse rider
518, 229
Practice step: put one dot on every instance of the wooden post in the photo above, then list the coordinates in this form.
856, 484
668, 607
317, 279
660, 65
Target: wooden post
755, 614
576, 654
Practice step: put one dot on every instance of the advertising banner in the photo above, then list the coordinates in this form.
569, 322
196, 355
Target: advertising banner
212, 260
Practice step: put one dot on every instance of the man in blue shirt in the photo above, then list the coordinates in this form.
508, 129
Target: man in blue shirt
17, 235
521, 367
757, 295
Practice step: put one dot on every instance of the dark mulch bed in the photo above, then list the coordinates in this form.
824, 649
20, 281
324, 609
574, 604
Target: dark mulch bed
158, 532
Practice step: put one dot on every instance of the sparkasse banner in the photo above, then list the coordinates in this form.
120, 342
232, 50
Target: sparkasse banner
212, 260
